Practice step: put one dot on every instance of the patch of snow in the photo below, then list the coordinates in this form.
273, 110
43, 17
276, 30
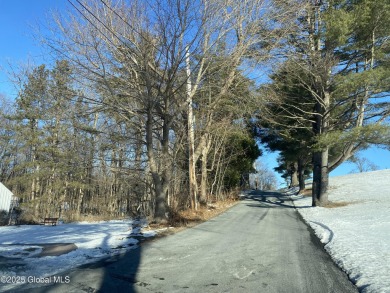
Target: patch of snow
94, 241
357, 235
20, 251
292, 190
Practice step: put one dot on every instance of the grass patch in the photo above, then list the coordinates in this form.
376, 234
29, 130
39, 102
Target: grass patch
332, 205
189, 218
181, 220
306, 192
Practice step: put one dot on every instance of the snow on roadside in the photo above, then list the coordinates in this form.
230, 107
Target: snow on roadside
357, 235
93, 240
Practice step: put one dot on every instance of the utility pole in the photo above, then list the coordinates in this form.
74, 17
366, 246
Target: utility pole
190, 128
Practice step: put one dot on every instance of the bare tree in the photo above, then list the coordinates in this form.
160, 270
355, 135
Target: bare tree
362, 164
146, 62
264, 178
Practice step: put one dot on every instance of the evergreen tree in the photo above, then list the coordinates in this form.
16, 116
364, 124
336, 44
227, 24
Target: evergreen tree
284, 123
335, 61
30, 113
8, 156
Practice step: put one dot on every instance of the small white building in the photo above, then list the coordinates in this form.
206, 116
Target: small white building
5, 198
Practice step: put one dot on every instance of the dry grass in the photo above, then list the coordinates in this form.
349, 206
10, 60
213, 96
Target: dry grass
204, 213
88, 218
180, 220
332, 205
306, 192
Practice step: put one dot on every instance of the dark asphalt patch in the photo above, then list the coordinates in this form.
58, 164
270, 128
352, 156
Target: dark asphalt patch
56, 249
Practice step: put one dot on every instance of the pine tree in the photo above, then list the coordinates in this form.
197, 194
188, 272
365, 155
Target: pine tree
30, 112
340, 60
8, 155
285, 122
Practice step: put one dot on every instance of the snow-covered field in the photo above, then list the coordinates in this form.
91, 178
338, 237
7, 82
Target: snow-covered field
357, 235
94, 241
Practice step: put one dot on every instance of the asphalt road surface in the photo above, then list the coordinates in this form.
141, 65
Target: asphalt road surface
259, 245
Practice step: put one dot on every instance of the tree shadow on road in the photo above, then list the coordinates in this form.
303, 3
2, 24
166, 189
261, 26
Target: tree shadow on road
113, 274
270, 199
118, 273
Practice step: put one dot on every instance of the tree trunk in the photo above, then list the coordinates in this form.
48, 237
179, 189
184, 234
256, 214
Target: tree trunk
160, 212
320, 178
294, 175
301, 174
203, 183
191, 148
321, 157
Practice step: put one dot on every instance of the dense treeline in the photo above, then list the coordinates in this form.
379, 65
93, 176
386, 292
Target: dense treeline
151, 105
63, 156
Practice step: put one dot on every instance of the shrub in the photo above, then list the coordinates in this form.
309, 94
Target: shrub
3, 218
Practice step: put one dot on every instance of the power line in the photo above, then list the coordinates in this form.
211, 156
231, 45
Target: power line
94, 25
126, 22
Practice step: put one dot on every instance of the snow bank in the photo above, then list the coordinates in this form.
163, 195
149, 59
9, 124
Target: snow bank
357, 235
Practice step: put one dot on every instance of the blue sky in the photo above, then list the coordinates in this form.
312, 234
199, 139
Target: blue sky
378, 156
17, 45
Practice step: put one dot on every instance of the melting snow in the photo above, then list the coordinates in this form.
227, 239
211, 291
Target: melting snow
94, 241
357, 235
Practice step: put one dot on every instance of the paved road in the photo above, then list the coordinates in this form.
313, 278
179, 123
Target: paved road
260, 245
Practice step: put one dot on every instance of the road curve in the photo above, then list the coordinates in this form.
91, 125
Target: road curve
259, 245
